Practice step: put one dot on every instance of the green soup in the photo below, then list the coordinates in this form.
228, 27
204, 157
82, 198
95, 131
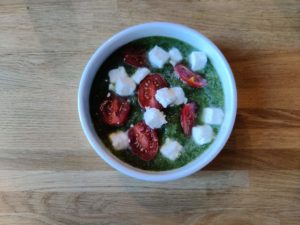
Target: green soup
209, 96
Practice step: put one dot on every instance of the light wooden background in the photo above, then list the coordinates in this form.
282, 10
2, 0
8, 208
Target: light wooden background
50, 175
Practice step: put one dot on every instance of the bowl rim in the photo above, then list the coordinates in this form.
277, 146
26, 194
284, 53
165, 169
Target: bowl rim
110, 158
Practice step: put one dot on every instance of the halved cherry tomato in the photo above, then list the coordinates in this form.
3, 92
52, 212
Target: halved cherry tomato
147, 89
188, 76
188, 116
114, 110
143, 141
135, 58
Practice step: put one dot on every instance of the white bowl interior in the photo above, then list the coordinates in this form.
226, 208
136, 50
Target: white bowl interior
182, 33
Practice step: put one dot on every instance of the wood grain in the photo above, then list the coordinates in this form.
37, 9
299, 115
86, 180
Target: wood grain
50, 175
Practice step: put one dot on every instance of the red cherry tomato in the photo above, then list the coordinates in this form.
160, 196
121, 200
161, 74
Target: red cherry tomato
143, 141
114, 110
147, 89
135, 58
188, 116
189, 77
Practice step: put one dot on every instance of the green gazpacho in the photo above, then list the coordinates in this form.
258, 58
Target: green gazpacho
157, 103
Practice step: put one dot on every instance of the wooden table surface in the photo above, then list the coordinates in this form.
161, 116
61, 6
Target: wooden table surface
49, 174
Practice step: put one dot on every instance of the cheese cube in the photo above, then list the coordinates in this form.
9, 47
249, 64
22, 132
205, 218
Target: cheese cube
165, 96
140, 74
171, 149
180, 96
119, 140
202, 134
158, 57
197, 60
175, 56
154, 118
117, 73
125, 86
170, 96
213, 116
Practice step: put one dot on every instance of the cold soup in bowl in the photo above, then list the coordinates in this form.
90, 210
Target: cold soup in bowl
157, 103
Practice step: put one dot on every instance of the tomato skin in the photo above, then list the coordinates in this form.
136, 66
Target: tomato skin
143, 141
188, 117
135, 58
147, 89
114, 110
189, 77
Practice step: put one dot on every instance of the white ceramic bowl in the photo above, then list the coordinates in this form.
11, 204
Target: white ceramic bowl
182, 33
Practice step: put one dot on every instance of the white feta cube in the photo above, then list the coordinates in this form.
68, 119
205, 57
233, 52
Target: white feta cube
171, 149
197, 60
119, 140
140, 74
117, 73
202, 134
158, 57
175, 56
165, 96
125, 86
170, 96
154, 118
213, 116
180, 96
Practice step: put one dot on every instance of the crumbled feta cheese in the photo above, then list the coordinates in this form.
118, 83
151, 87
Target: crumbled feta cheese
171, 149
175, 56
165, 96
202, 134
213, 116
154, 118
140, 74
117, 73
180, 96
197, 60
119, 140
170, 96
125, 86
158, 57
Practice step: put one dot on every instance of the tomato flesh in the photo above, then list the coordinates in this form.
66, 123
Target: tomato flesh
135, 58
114, 110
188, 117
189, 77
147, 90
143, 141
